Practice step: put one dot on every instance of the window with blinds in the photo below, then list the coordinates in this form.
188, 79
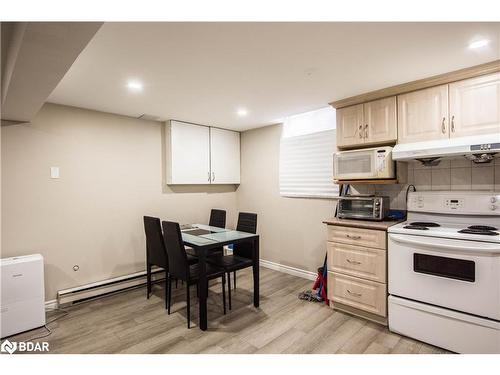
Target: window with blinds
306, 150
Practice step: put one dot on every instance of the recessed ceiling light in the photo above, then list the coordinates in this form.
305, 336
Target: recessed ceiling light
479, 43
242, 112
135, 86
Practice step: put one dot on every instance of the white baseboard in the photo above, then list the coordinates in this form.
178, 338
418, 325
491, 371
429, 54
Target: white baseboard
50, 305
289, 270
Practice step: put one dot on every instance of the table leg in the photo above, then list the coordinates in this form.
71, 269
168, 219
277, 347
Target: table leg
256, 260
203, 287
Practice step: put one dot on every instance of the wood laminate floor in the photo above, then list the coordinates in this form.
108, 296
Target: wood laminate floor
129, 323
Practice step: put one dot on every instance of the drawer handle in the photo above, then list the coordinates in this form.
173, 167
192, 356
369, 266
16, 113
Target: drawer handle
353, 237
353, 293
353, 261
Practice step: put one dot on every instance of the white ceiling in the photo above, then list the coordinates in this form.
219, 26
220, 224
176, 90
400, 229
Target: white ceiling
204, 72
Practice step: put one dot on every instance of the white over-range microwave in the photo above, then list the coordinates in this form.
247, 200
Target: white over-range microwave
364, 164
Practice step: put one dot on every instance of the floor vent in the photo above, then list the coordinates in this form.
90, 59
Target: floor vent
102, 288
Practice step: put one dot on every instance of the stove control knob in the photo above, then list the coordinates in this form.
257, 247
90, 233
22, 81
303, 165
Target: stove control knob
493, 207
493, 199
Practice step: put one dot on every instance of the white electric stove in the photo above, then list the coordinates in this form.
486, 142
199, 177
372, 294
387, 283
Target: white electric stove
444, 271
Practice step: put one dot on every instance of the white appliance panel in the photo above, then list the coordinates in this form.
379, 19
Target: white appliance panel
447, 329
23, 294
479, 295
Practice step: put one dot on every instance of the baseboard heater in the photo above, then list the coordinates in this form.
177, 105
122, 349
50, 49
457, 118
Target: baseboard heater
101, 288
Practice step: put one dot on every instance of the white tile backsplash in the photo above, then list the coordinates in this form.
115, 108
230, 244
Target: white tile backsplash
455, 174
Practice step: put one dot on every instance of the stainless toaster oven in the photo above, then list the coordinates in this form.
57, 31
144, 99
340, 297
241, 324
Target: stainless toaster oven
363, 207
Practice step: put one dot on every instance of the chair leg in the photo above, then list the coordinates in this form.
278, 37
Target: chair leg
166, 291
169, 282
148, 273
229, 288
188, 300
224, 292
234, 276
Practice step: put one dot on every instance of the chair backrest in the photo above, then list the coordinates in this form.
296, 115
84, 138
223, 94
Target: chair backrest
247, 222
155, 247
217, 218
177, 258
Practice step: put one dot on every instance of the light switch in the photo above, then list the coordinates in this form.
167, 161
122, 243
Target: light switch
54, 172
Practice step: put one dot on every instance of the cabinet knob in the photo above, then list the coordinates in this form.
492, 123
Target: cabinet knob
360, 131
366, 130
443, 125
453, 124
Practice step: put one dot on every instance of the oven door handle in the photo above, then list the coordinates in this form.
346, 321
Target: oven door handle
471, 247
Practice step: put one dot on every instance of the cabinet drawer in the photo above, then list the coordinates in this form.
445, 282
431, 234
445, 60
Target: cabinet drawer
357, 261
365, 295
357, 236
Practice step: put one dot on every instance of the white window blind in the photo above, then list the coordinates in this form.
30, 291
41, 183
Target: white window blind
306, 150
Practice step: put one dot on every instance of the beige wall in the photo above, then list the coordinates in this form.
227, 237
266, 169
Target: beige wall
291, 229
111, 175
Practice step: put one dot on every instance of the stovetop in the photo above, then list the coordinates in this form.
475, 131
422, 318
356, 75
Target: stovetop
470, 231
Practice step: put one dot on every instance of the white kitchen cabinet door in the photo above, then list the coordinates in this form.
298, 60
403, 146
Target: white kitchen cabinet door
475, 106
423, 115
350, 126
225, 156
380, 121
188, 153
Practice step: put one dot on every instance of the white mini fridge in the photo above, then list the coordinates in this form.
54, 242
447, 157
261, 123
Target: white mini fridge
22, 299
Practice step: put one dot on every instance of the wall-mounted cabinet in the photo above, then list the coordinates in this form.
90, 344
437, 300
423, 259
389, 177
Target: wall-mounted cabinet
423, 115
475, 106
197, 154
462, 108
372, 123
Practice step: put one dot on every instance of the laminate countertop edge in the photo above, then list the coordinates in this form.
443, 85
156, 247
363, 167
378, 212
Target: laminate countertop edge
377, 225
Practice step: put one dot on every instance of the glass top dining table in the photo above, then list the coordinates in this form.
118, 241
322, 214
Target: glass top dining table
202, 235
202, 238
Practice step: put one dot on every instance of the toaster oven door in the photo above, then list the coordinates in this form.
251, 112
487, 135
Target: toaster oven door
358, 208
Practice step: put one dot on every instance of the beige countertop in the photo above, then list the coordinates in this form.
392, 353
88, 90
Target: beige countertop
379, 225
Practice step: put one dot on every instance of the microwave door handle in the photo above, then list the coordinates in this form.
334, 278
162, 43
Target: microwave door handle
473, 248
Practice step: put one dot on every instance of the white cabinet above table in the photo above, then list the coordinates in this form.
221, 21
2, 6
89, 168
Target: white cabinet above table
198, 154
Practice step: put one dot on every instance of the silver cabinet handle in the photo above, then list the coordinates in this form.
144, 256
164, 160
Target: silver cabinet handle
361, 131
353, 237
208, 176
443, 126
453, 124
352, 261
354, 294
213, 176
366, 131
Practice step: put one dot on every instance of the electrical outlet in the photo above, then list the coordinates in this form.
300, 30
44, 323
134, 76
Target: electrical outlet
54, 172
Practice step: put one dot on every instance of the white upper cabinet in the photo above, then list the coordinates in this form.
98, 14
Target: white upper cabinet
423, 115
350, 126
197, 154
225, 156
367, 124
380, 121
475, 106
188, 161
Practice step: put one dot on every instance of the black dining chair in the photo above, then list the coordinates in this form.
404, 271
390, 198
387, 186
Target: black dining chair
156, 254
217, 219
178, 266
242, 252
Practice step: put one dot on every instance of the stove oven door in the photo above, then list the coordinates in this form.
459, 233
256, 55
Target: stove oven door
455, 274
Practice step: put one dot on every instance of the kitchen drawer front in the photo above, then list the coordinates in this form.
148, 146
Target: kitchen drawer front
357, 261
357, 236
362, 294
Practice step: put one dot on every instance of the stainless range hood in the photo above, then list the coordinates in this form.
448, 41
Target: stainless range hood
479, 149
